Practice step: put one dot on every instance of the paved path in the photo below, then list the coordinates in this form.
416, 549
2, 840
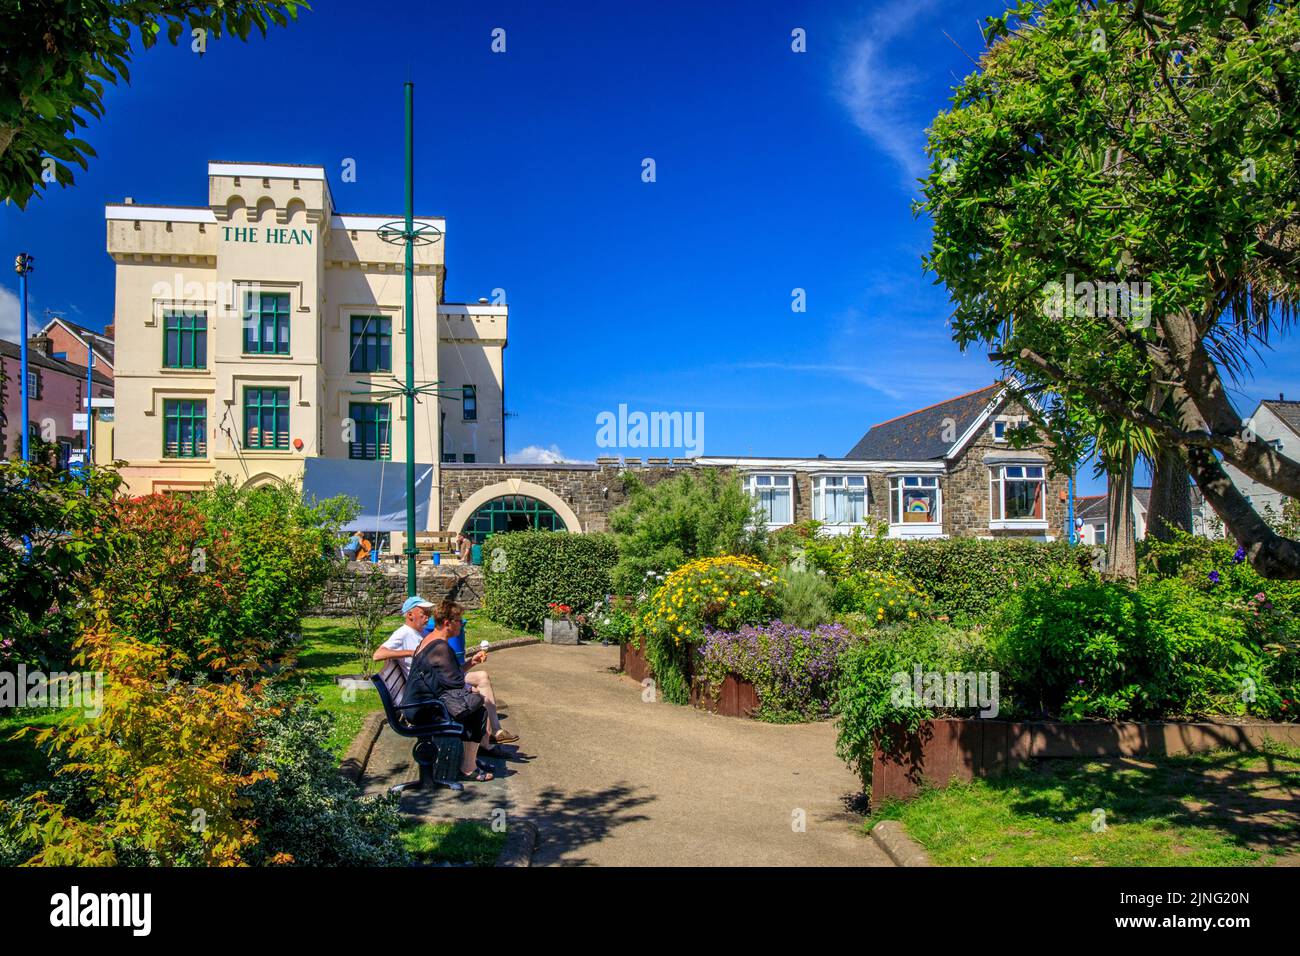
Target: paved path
611, 780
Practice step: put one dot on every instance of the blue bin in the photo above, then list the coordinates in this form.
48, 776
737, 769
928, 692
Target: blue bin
437, 557
476, 554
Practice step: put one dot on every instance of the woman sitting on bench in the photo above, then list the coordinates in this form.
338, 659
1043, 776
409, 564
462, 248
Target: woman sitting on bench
452, 614
435, 675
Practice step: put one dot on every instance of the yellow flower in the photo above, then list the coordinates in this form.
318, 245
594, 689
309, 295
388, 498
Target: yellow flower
880, 610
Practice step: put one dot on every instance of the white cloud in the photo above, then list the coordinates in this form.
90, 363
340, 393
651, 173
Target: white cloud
9, 317
537, 455
879, 91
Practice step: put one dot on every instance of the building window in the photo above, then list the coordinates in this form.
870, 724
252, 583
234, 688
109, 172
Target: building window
1000, 431
373, 435
1018, 493
1099, 533
449, 458
185, 340
840, 499
372, 344
469, 402
185, 429
468, 458
33, 384
914, 499
774, 496
266, 323
266, 418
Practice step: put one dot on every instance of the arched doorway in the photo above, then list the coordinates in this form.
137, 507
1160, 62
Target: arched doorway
511, 513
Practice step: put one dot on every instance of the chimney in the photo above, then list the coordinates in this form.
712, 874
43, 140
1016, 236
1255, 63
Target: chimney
1281, 397
40, 343
108, 331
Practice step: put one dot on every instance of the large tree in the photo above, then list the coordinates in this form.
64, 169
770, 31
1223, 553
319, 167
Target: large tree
1114, 198
57, 55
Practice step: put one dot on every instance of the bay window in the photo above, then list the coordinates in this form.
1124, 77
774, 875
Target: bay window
914, 499
840, 499
774, 494
1018, 494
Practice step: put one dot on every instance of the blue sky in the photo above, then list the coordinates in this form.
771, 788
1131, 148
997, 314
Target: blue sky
775, 171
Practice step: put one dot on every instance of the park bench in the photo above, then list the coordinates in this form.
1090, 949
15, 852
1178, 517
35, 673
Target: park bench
391, 684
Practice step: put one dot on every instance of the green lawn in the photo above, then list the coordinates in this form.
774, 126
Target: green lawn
1220, 809
328, 650
21, 762
466, 841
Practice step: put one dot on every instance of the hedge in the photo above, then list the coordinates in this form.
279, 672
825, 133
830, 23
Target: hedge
962, 576
523, 571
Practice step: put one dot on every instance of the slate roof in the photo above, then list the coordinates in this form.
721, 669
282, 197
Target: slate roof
1097, 507
918, 436
102, 344
36, 360
1288, 412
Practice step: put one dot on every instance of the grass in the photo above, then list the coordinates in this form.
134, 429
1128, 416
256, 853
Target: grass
465, 841
21, 761
328, 651
1219, 809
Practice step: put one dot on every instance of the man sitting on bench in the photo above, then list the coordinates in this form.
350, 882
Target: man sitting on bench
402, 643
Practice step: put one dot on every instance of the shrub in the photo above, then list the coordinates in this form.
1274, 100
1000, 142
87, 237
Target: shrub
692, 515
172, 583
614, 619
69, 526
963, 577
865, 704
285, 550
879, 598
524, 571
803, 597
304, 812
1112, 651
793, 669
152, 773
724, 593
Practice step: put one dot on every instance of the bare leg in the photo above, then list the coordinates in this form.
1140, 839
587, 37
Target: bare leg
468, 754
479, 681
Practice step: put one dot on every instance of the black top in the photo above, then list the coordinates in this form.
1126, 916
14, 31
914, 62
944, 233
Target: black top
434, 671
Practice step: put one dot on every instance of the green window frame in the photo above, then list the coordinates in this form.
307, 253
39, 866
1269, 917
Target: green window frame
511, 513
266, 418
185, 340
373, 436
372, 344
266, 323
185, 428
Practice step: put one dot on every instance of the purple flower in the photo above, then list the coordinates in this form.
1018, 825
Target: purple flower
1214, 577
1240, 556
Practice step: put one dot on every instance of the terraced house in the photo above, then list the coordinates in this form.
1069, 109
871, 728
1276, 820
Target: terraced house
252, 332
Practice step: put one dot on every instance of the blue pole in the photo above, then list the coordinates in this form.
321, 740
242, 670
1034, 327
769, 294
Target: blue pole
23, 265
90, 404
1070, 517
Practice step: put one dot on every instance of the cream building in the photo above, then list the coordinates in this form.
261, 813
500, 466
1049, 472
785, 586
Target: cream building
244, 326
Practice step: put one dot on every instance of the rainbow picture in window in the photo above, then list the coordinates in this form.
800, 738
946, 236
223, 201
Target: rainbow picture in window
916, 506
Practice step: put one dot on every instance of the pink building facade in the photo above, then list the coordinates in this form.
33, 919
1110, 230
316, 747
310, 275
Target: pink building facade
57, 390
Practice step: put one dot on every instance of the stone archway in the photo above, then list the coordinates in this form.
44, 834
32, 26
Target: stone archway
261, 480
514, 486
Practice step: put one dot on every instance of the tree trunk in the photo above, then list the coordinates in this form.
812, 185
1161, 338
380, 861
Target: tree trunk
1171, 496
1121, 547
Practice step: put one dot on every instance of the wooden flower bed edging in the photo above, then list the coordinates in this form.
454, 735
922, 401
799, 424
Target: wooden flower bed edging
942, 751
735, 698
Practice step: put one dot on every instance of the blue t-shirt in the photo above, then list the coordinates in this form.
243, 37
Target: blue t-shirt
456, 642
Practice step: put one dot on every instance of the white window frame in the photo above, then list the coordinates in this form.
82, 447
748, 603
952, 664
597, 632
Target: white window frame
997, 496
755, 480
898, 484
819, 484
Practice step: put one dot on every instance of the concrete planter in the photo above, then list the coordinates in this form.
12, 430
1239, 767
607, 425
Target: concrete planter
557, 631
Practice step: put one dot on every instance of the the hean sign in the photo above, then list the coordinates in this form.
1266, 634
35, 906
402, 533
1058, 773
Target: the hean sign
270, 235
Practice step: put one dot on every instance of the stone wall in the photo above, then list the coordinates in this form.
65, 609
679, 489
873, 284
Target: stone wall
432, 582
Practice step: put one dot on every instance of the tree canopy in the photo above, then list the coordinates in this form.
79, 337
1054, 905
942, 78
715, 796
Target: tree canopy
59, 56
1114, 200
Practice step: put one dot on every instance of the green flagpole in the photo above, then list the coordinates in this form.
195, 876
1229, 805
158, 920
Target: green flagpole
410, 340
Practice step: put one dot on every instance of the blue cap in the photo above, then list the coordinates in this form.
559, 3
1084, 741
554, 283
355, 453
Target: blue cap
414, 602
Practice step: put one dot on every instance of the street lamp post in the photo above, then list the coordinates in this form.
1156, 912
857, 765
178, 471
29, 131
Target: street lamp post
23, 264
